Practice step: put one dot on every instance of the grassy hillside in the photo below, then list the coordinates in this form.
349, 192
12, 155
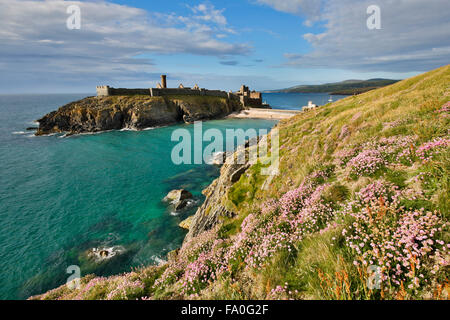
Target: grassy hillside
363, 194
344, 87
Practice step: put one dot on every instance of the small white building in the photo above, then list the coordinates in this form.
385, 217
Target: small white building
310, 106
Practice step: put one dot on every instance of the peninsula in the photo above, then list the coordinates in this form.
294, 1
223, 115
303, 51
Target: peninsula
120, 108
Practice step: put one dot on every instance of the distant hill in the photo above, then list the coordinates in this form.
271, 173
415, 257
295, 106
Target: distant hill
347, 87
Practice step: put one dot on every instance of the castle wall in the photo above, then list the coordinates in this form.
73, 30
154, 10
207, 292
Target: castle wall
255, 95
154, 92
127, 92
160, 92
102, 91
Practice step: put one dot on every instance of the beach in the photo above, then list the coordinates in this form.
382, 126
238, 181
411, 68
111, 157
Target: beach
270, 114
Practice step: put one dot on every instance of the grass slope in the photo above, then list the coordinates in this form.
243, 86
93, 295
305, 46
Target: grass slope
362, 196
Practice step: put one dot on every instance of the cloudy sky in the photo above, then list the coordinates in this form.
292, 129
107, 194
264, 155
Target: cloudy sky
267, 44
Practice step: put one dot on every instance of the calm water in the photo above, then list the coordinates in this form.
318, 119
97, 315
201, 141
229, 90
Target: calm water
60, 197
296, 101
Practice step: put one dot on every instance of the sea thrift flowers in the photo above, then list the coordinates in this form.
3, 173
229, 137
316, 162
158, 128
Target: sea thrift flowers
343, 156
402, 243
366, 163
370, 195
126, 289
427, 151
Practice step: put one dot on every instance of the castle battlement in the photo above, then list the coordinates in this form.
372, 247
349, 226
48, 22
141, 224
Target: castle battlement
246, 96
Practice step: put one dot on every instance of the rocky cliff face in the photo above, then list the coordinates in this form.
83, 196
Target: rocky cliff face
215, 205
95, 114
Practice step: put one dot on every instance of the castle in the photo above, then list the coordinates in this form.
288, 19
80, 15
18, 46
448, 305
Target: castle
249, 98
244, 95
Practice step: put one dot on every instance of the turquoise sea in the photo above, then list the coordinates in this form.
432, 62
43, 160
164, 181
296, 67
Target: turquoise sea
61, 196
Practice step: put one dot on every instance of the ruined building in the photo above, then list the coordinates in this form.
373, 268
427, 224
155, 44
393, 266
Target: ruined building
247, 98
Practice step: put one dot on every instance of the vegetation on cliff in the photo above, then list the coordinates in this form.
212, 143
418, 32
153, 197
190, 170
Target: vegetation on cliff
362, 194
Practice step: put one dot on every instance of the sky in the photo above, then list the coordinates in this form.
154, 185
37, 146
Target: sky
217, 44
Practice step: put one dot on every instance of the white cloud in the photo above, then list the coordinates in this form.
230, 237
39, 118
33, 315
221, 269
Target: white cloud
308, 8
36, 44
209, 13
414, 36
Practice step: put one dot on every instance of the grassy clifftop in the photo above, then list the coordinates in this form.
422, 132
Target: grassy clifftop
362, 196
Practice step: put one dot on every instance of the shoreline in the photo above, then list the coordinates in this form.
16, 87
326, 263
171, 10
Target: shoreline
268, 114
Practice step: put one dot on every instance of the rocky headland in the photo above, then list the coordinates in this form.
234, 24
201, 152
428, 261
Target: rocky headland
94, 114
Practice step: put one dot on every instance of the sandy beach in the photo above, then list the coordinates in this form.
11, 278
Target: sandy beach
256, 113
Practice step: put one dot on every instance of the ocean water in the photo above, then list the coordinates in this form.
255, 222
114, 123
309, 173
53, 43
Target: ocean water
61, 196
295, 101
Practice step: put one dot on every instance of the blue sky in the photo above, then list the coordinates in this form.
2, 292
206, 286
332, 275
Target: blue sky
267, 44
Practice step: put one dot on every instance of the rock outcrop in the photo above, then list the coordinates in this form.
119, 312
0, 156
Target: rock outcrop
178, 195
94, 114
186, 223
214, 207
179, 198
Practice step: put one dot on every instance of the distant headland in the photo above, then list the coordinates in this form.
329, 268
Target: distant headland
348, 87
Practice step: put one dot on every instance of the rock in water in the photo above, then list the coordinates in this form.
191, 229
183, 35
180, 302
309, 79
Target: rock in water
176, 196
181, 205
179, 198
105, 253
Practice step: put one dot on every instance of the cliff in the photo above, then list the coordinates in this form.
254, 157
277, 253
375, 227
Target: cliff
95, 114
215, 206
362, 194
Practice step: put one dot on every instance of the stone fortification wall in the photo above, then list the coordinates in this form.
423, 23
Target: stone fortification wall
191, 92
103, 91
128, 92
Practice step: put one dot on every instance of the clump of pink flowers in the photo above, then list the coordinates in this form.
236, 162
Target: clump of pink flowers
296, 214
197, 262
366, 163
204, 269
344, 155
427, 151
371, 194
126, 288
404, 244
368, 158
281, 293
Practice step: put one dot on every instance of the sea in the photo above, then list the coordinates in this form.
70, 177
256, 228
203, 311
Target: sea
62, 196
295, 101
